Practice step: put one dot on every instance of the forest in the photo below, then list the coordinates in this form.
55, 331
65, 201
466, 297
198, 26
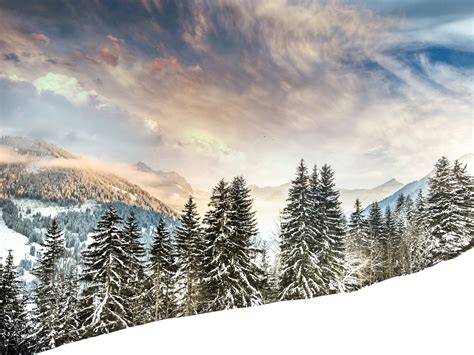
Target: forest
215, 263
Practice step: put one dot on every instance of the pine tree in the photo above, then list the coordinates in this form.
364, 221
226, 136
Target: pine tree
104, 278
190, 250
131, 236
49, 290
445, 219
418, 235
243, 224
376, 233
13, 328
358, 250
463, 195
332, 261
301, 275
392, 242
69, 317
231, 276
162, 270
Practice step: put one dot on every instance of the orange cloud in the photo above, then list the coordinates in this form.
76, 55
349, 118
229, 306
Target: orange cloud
108, 56
162, 63
40, 37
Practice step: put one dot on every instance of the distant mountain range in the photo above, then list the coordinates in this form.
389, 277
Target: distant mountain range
411, 189
278, 194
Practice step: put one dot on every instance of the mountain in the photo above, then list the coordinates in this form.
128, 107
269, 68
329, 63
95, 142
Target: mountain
367, 196
34, 147
50, 173
411, 189
427, 313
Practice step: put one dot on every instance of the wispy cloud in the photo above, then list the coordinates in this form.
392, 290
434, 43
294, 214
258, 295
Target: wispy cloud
327, 80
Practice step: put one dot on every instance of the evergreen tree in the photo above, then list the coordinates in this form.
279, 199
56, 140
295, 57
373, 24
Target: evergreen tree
418, 234
392, 241
69, 317
162, 270
358, 250
376, 233
332, 261
190, 250
131, 236
14, 327
104, 278
232, 277
447, 227
463, 195
301, 275
49, 290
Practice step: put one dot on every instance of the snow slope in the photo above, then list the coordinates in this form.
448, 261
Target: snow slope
429, 312
11, 240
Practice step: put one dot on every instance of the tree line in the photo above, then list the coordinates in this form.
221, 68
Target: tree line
214, 263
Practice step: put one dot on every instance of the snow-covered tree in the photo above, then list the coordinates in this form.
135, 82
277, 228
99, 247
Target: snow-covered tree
104, 278
135, 252
357, 250
447, 226
332, 260
162, 268
463, 195
231, 276
190, 251
301, 275
14, 324
376, 234
49, 290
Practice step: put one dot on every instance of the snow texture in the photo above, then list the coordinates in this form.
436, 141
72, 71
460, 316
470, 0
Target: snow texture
424, 313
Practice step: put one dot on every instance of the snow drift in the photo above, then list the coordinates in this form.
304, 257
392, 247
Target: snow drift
429, 312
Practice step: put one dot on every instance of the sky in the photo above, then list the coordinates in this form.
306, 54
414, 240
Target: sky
211, 89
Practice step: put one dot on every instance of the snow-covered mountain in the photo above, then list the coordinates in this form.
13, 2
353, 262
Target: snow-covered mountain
411, 189
424, 313
49, 173
170, 187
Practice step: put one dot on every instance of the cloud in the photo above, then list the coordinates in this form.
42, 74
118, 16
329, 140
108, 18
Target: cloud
9, 156
12, 57
66, 86
208, 83
108, 56
162, 64
40, 37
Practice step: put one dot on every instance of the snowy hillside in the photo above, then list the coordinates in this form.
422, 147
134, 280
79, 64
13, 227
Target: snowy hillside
424, 313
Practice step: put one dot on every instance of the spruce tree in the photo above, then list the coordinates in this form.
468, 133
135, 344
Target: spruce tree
358, 250
232, 277
14, 327
190, 250
446, 223
463, 195
104, 277
392, 242
161, 269
418, 234
131, 236
301, 275
332, 261
49, 290
376, 233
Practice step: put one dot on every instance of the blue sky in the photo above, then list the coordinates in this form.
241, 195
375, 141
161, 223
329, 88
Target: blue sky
378, 89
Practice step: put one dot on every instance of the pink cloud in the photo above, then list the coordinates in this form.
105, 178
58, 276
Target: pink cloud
40, 37
160, 64
195, 68
108, 56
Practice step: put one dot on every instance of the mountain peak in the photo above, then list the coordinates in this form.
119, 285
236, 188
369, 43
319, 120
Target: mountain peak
390, 183
35, 147
143, 167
